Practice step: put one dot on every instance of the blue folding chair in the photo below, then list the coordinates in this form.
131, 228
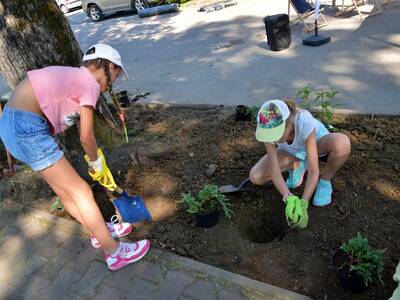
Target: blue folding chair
304, 10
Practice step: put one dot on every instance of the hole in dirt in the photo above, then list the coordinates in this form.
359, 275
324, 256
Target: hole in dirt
266, 227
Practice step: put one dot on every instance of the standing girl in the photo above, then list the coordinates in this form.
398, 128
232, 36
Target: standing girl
294, 140
47, 102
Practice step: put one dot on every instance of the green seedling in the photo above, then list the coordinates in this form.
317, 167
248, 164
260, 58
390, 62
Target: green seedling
57, 206
323, 99
206, 200
326, 100
304, 94
364, 260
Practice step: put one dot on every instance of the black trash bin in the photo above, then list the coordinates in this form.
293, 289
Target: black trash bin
278, 31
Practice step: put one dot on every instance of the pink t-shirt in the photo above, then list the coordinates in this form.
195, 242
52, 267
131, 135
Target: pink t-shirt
61, 91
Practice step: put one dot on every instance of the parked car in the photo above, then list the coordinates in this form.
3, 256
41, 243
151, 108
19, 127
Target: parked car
67, 5
97, 9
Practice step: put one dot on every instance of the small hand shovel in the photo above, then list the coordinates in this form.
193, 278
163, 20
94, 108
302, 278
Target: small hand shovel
230, 188
132, 209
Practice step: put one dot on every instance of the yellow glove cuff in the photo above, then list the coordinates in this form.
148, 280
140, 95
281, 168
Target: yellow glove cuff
104, 177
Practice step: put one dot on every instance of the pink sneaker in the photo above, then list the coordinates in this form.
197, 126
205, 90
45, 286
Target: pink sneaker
116, 230
126, 254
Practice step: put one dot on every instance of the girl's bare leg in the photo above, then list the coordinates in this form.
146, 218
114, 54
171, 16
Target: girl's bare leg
68, 203
63, 176
337, 146
260, 173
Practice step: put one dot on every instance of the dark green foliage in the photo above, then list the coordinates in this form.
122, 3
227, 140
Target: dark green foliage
206, 200
253, 110
323, 99
364, 260
305, 94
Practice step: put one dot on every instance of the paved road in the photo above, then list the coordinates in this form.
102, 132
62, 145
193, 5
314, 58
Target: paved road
221, 57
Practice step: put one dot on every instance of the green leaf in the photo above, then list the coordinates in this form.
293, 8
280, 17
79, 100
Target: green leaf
366, 261
57, 205
206, 199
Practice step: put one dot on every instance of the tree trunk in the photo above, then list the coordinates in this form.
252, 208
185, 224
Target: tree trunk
34, 34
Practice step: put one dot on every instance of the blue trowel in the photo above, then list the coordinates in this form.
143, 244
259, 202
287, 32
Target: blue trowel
132, 209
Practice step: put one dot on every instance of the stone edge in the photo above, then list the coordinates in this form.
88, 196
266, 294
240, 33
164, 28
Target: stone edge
243, 282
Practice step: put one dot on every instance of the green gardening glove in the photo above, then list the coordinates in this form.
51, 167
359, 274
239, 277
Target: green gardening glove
293, 210
303, 221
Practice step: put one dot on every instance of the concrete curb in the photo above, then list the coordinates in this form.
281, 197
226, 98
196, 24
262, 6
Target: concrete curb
243, 282
249, 287
338, 111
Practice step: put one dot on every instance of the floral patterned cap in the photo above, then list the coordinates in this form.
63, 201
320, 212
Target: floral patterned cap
271, 121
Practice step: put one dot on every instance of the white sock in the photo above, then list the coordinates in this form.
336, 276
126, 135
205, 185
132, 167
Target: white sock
118, 250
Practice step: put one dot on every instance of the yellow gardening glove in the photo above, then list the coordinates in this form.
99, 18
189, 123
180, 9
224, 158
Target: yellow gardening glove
100, 172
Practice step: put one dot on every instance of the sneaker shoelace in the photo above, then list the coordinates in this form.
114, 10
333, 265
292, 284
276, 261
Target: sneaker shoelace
113, 223
127, 248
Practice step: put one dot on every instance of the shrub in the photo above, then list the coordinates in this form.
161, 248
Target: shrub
206, 200
363, 259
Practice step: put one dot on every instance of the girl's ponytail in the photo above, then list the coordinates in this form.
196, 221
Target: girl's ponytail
104, 64
292, 107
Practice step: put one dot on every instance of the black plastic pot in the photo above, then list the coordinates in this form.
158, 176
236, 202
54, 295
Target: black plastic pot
209, 219
123, 98
350, 281
242, 113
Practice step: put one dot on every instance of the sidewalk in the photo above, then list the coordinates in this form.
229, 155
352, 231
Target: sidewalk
45, 257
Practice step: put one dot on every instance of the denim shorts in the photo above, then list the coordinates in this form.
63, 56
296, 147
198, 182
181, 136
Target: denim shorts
27, 137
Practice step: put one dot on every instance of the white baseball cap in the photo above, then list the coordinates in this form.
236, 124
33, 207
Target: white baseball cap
271, 121
106, 52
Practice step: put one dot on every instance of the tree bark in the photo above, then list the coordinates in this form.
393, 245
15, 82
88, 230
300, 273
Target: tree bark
34, 34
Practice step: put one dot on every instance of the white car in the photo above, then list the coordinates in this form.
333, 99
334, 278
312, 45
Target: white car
67, 5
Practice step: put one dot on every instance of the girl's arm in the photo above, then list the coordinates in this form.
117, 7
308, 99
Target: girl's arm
87, 138
276, 174
313, 167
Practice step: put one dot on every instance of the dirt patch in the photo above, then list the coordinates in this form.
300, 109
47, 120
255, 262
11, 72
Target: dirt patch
169, 152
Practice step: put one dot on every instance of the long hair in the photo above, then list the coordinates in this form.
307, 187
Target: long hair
104, 64
292, 108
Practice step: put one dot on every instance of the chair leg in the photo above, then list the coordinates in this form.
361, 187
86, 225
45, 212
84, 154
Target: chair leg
348, 8
325, 23
358, 10
355, 5
306, 26
378, 7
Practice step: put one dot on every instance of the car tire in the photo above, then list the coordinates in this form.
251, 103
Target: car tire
140, 4
95, 13
64, 9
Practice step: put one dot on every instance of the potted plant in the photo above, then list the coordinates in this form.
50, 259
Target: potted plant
205, 205
357, 264
242, 113
246, 113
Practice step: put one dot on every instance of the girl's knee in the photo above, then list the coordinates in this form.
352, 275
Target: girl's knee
342, 145
256, 177
81, 191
